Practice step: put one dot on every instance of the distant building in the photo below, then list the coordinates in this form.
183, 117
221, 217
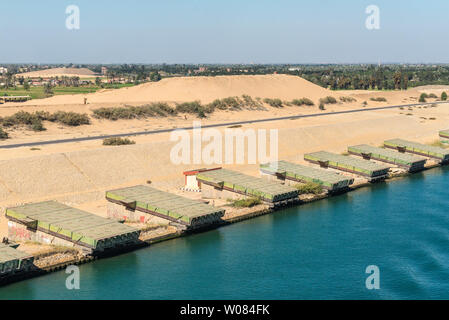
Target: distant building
191, 184
104, 70
200, 70
3, 70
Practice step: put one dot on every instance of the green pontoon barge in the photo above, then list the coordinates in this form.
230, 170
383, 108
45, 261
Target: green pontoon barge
444, 135
54, 223
410, 162
329, 180
373, 171
438, 153
238, 183
168, 206
13, 261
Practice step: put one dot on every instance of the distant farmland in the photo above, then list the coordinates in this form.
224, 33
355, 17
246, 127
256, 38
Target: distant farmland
38, 92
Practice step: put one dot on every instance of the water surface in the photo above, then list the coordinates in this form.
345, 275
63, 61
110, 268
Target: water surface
315, 251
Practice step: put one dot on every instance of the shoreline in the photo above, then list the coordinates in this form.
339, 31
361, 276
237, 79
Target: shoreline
147, 238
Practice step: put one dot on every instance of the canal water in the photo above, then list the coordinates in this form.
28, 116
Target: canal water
315, 251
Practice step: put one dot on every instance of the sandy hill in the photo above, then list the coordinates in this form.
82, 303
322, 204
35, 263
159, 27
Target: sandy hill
59, 72
205, 89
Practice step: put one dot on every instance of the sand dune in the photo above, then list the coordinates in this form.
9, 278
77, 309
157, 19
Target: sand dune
59, 72
205, 89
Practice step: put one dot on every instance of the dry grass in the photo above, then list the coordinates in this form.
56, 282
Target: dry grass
328, 100
117, 141
302, 102
44, 251
379, 99
309, 188
246, 203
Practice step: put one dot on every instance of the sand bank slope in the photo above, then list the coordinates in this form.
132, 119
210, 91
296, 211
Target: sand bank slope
81, 176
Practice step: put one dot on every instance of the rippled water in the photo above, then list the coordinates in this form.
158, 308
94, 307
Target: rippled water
315, 251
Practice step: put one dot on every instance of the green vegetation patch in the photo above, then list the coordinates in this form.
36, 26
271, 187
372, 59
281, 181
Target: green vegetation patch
71, 119
275, 103
309, 188
117, 141
161, 109
379, 99
328, 100
232, 103
34, 120
130, 112
251, 103
3, 134
347, 99
423, 97
246, 203
194, 107
302, 102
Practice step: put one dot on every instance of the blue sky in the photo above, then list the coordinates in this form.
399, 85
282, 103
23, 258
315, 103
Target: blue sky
232, 31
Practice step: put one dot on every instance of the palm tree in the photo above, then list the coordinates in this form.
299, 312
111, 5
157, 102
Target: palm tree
26, 84
47, 89
9, 80
397, 78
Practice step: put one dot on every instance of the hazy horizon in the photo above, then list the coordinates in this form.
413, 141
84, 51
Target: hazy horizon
76, 64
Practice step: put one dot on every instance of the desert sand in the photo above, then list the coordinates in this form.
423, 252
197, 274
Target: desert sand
204, 89
78, 174
59, 72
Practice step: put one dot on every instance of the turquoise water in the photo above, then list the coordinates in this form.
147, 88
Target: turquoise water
315, 251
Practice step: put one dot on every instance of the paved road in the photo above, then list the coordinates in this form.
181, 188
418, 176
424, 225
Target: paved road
40, 143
